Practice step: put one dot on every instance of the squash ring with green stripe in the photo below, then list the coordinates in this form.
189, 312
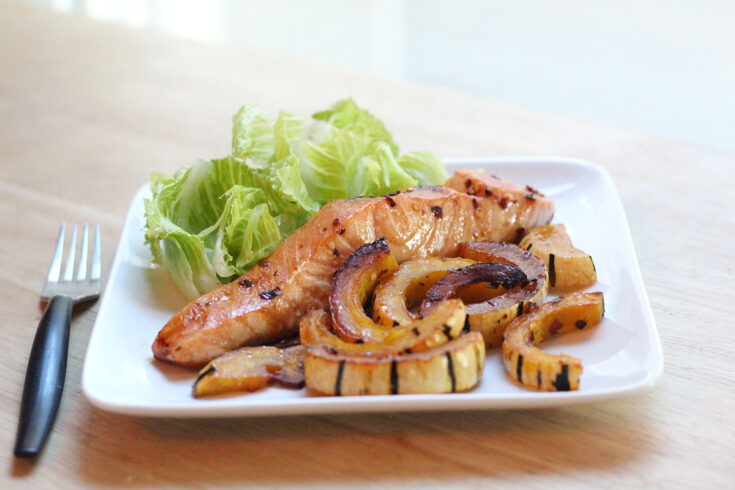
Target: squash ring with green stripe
534, 368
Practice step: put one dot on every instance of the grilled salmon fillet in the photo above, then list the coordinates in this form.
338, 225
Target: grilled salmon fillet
267, 302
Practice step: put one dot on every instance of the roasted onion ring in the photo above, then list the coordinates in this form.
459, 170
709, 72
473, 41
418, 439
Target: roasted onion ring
492, 316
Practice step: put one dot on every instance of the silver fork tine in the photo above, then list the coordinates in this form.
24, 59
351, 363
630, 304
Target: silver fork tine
82, 268
69, 269
95, 273
55, 270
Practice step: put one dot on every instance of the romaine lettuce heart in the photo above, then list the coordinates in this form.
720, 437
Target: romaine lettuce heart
213, 220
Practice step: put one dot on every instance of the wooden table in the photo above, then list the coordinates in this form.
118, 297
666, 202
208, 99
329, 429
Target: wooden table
87, 110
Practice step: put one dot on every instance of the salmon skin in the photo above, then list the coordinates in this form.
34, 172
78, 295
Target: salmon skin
267, 302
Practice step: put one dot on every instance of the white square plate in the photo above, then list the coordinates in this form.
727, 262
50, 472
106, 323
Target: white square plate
622, 355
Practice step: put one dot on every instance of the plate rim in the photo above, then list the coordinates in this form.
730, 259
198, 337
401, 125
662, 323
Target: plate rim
387, 403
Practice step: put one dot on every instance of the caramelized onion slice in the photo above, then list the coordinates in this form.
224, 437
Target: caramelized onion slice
407, 286
451, 367
494, 274
535, 368
492, 316
569, 267
250, 369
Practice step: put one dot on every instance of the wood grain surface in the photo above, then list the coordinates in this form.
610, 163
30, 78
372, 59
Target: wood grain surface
87, 110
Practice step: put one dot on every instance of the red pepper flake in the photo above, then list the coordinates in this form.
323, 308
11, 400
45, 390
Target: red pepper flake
336, 221
437, 210
246, 283
341, 231
468, 183
336, 252
390, 200
532, 190
503, 203
555, 327
530, 197
271, 293
264, 263
474, 203
275, 274
488, 193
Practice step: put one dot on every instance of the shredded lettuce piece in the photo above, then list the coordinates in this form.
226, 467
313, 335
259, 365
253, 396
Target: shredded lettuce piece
212, 221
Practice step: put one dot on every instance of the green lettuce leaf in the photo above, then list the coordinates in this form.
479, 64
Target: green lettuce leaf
346, 114
252, 134
245, 233
425, 167
378, 171
336, 163
210, 222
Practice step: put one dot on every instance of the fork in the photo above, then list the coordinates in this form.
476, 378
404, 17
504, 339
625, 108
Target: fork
46, 370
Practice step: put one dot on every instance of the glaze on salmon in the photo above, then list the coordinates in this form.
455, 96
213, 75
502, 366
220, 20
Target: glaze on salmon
267, 302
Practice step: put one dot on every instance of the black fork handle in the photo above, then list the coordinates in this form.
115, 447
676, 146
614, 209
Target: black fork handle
44, 377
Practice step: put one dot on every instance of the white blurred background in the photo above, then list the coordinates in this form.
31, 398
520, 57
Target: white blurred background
660, 67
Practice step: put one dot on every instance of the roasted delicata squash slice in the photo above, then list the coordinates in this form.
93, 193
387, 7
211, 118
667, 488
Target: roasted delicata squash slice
568, 266
250, 369
407, 286
445, 323
451, 367
531, 366
352, 289
490, 316
350, 354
